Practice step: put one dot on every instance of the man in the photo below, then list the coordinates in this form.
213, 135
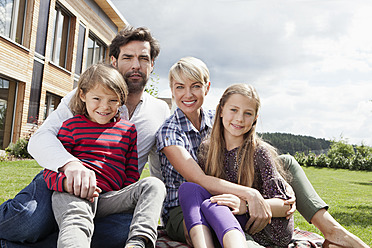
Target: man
132, 52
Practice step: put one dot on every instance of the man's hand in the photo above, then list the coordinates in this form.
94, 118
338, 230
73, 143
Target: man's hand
80, 181
259, 213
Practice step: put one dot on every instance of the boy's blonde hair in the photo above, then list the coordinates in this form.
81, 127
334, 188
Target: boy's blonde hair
189, 68
104, 74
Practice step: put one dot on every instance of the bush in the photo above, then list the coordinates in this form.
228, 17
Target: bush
323, 161
341, 155
18, 149
3, 156
340, 149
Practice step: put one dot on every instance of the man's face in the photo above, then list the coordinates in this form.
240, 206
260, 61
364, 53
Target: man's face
135, 64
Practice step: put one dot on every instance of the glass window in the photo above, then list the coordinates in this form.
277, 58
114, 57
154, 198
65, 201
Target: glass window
80, 50
96, 50
36, 83
6, 116
12, 19
42, 27
51, 103
60, 41
4, 86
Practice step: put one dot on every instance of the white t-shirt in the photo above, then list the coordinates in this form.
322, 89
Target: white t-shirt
149, 115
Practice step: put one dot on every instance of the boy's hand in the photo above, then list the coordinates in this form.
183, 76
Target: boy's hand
80, 181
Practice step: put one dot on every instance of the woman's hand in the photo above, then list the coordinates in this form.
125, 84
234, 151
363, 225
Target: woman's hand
291, 202
259, 212
237, 205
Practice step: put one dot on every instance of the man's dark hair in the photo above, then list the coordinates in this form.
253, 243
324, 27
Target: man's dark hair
134, 34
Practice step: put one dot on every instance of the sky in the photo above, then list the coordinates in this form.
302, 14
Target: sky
310, 60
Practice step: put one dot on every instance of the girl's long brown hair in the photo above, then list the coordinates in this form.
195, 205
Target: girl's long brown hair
216, 143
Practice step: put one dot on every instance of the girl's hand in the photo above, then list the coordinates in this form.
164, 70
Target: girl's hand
237, 205
291, 202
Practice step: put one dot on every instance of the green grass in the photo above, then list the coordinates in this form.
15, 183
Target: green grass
349, 196
348, 193
15, 175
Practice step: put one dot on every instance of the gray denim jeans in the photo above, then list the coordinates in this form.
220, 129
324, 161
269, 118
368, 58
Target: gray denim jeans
75, 216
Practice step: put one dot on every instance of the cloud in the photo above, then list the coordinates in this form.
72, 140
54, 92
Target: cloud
310, 60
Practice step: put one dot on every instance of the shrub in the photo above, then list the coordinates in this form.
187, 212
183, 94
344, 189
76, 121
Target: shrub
341, 155
323, 161
340, 149
3, 156
18, 149
300, 158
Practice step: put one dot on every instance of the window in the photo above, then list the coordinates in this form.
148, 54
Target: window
8, 91
96, 50
42, 27
80, 50
62, 27
12, 19
4, 87
34, 104
51, 103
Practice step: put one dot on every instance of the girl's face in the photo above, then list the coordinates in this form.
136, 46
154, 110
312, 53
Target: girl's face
238, 116
189, 95
102, 104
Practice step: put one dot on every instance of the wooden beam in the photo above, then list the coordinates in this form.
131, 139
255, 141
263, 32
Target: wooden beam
109, 8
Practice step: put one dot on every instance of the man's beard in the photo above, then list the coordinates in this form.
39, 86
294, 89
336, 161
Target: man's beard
135, 86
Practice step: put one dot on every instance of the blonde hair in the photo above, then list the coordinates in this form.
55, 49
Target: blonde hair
245, 156
189, 68
103, 74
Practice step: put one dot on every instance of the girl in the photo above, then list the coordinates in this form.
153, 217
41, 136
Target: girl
247, 160
107, 146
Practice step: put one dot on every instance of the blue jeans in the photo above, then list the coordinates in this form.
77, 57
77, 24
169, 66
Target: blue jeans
28, 221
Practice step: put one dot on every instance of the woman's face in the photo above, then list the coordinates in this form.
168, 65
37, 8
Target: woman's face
189, 95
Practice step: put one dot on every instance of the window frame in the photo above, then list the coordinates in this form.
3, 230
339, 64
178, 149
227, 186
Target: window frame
17, 24
102, 50
63, 30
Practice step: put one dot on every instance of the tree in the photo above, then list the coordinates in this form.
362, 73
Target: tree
340, 149
152, 85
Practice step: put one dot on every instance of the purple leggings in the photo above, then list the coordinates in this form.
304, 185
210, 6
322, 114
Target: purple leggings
198, 210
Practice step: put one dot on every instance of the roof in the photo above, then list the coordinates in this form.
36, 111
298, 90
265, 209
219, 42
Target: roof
111, 11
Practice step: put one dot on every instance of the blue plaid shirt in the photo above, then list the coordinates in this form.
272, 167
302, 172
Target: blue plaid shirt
178, 130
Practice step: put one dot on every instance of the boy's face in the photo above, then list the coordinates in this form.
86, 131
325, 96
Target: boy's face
102, 104
135, 64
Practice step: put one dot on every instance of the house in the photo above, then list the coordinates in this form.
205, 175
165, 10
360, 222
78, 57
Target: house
44, 47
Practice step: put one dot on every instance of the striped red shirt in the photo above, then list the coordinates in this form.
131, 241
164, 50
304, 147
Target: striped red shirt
110, 150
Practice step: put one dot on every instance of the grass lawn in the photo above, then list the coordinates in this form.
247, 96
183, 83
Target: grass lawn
348, 193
